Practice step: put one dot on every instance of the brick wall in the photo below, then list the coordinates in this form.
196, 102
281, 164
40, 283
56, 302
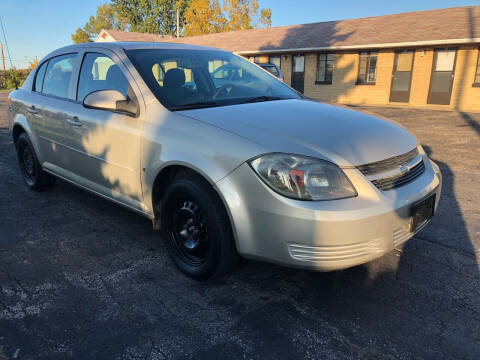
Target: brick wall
286, 66
464, 95
344, 89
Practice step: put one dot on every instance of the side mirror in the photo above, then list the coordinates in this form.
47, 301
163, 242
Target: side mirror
111, 100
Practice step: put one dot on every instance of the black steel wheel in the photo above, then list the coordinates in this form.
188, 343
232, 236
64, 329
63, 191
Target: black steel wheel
189, 232
33, 174
197, 229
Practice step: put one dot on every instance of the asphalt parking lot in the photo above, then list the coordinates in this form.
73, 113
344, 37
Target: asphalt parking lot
81, 278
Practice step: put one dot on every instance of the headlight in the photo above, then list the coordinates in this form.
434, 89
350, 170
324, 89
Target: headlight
302, 177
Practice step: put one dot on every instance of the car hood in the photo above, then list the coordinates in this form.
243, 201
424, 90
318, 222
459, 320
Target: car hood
334, 133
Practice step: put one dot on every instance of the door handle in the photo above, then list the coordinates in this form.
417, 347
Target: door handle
32, 110
74, 122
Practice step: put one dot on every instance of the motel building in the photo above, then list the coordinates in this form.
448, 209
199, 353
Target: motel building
424, 59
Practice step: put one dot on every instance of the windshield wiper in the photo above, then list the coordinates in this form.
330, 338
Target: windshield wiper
262, 98
207, 104
197, 105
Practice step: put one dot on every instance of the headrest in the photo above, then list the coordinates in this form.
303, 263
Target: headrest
114, 74
174, 78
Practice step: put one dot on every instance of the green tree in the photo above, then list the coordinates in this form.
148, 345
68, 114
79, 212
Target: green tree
107, 17
209, 16
151, 16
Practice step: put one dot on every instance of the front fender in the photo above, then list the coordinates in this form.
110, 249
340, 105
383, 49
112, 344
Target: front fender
174, 139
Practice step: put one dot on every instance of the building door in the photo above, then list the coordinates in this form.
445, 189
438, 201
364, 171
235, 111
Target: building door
298, 72
441, 81
402, 76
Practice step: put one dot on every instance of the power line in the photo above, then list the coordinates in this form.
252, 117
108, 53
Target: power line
6, 43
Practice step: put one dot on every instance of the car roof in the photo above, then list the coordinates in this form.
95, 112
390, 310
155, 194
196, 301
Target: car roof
119, 46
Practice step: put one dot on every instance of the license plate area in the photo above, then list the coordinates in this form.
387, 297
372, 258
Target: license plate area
422, 211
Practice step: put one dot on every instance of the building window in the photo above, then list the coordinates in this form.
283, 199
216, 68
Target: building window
324, 68
276, 60
367, 68
256, 59
477, 73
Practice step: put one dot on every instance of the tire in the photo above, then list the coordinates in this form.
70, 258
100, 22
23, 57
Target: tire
197, 230
33, 174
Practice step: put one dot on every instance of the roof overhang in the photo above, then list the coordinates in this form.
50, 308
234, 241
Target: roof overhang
428, 43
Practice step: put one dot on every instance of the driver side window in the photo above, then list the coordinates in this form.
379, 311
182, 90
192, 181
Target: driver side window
99, 72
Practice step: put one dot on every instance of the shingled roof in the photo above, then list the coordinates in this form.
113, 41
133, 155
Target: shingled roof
443, 26
132, 36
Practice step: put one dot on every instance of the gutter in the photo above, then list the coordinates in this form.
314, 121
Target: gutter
368, 46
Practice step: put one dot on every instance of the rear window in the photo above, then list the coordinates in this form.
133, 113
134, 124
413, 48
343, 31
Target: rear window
271, 69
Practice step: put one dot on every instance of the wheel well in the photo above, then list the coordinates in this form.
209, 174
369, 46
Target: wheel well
17, 130
162, 180
170, 173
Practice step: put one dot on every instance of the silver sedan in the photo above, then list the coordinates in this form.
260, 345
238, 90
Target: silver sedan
225, 163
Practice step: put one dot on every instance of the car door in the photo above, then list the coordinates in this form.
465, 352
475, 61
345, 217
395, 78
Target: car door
104, 146
51, 98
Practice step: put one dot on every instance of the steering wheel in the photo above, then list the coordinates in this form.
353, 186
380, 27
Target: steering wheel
223, 89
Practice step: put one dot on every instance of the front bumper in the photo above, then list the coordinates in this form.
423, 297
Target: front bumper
322, 235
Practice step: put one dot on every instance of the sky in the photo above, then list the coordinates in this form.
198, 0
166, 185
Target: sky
36, 27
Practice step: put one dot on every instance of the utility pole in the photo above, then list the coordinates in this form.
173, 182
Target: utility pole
178, 23
3, 59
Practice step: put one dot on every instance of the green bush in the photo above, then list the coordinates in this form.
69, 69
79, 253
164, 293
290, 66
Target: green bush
13, 77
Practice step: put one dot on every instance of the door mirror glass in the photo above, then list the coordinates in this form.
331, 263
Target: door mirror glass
111, 100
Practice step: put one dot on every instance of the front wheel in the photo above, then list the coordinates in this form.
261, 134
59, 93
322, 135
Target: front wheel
197, 229
33, 174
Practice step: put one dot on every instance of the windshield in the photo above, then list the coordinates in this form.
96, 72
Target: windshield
188, 79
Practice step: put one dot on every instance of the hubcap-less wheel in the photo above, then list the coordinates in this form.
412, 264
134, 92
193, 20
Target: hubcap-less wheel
32, 172
28, 164
196, 229
189, 231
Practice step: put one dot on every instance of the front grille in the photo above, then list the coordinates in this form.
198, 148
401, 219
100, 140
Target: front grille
394, 172
383, 165
396, 181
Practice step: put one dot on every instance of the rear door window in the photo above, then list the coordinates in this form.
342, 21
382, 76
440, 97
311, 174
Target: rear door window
58, 76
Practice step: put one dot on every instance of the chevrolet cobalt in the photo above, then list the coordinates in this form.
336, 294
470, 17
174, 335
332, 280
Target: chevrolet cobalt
226, 163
